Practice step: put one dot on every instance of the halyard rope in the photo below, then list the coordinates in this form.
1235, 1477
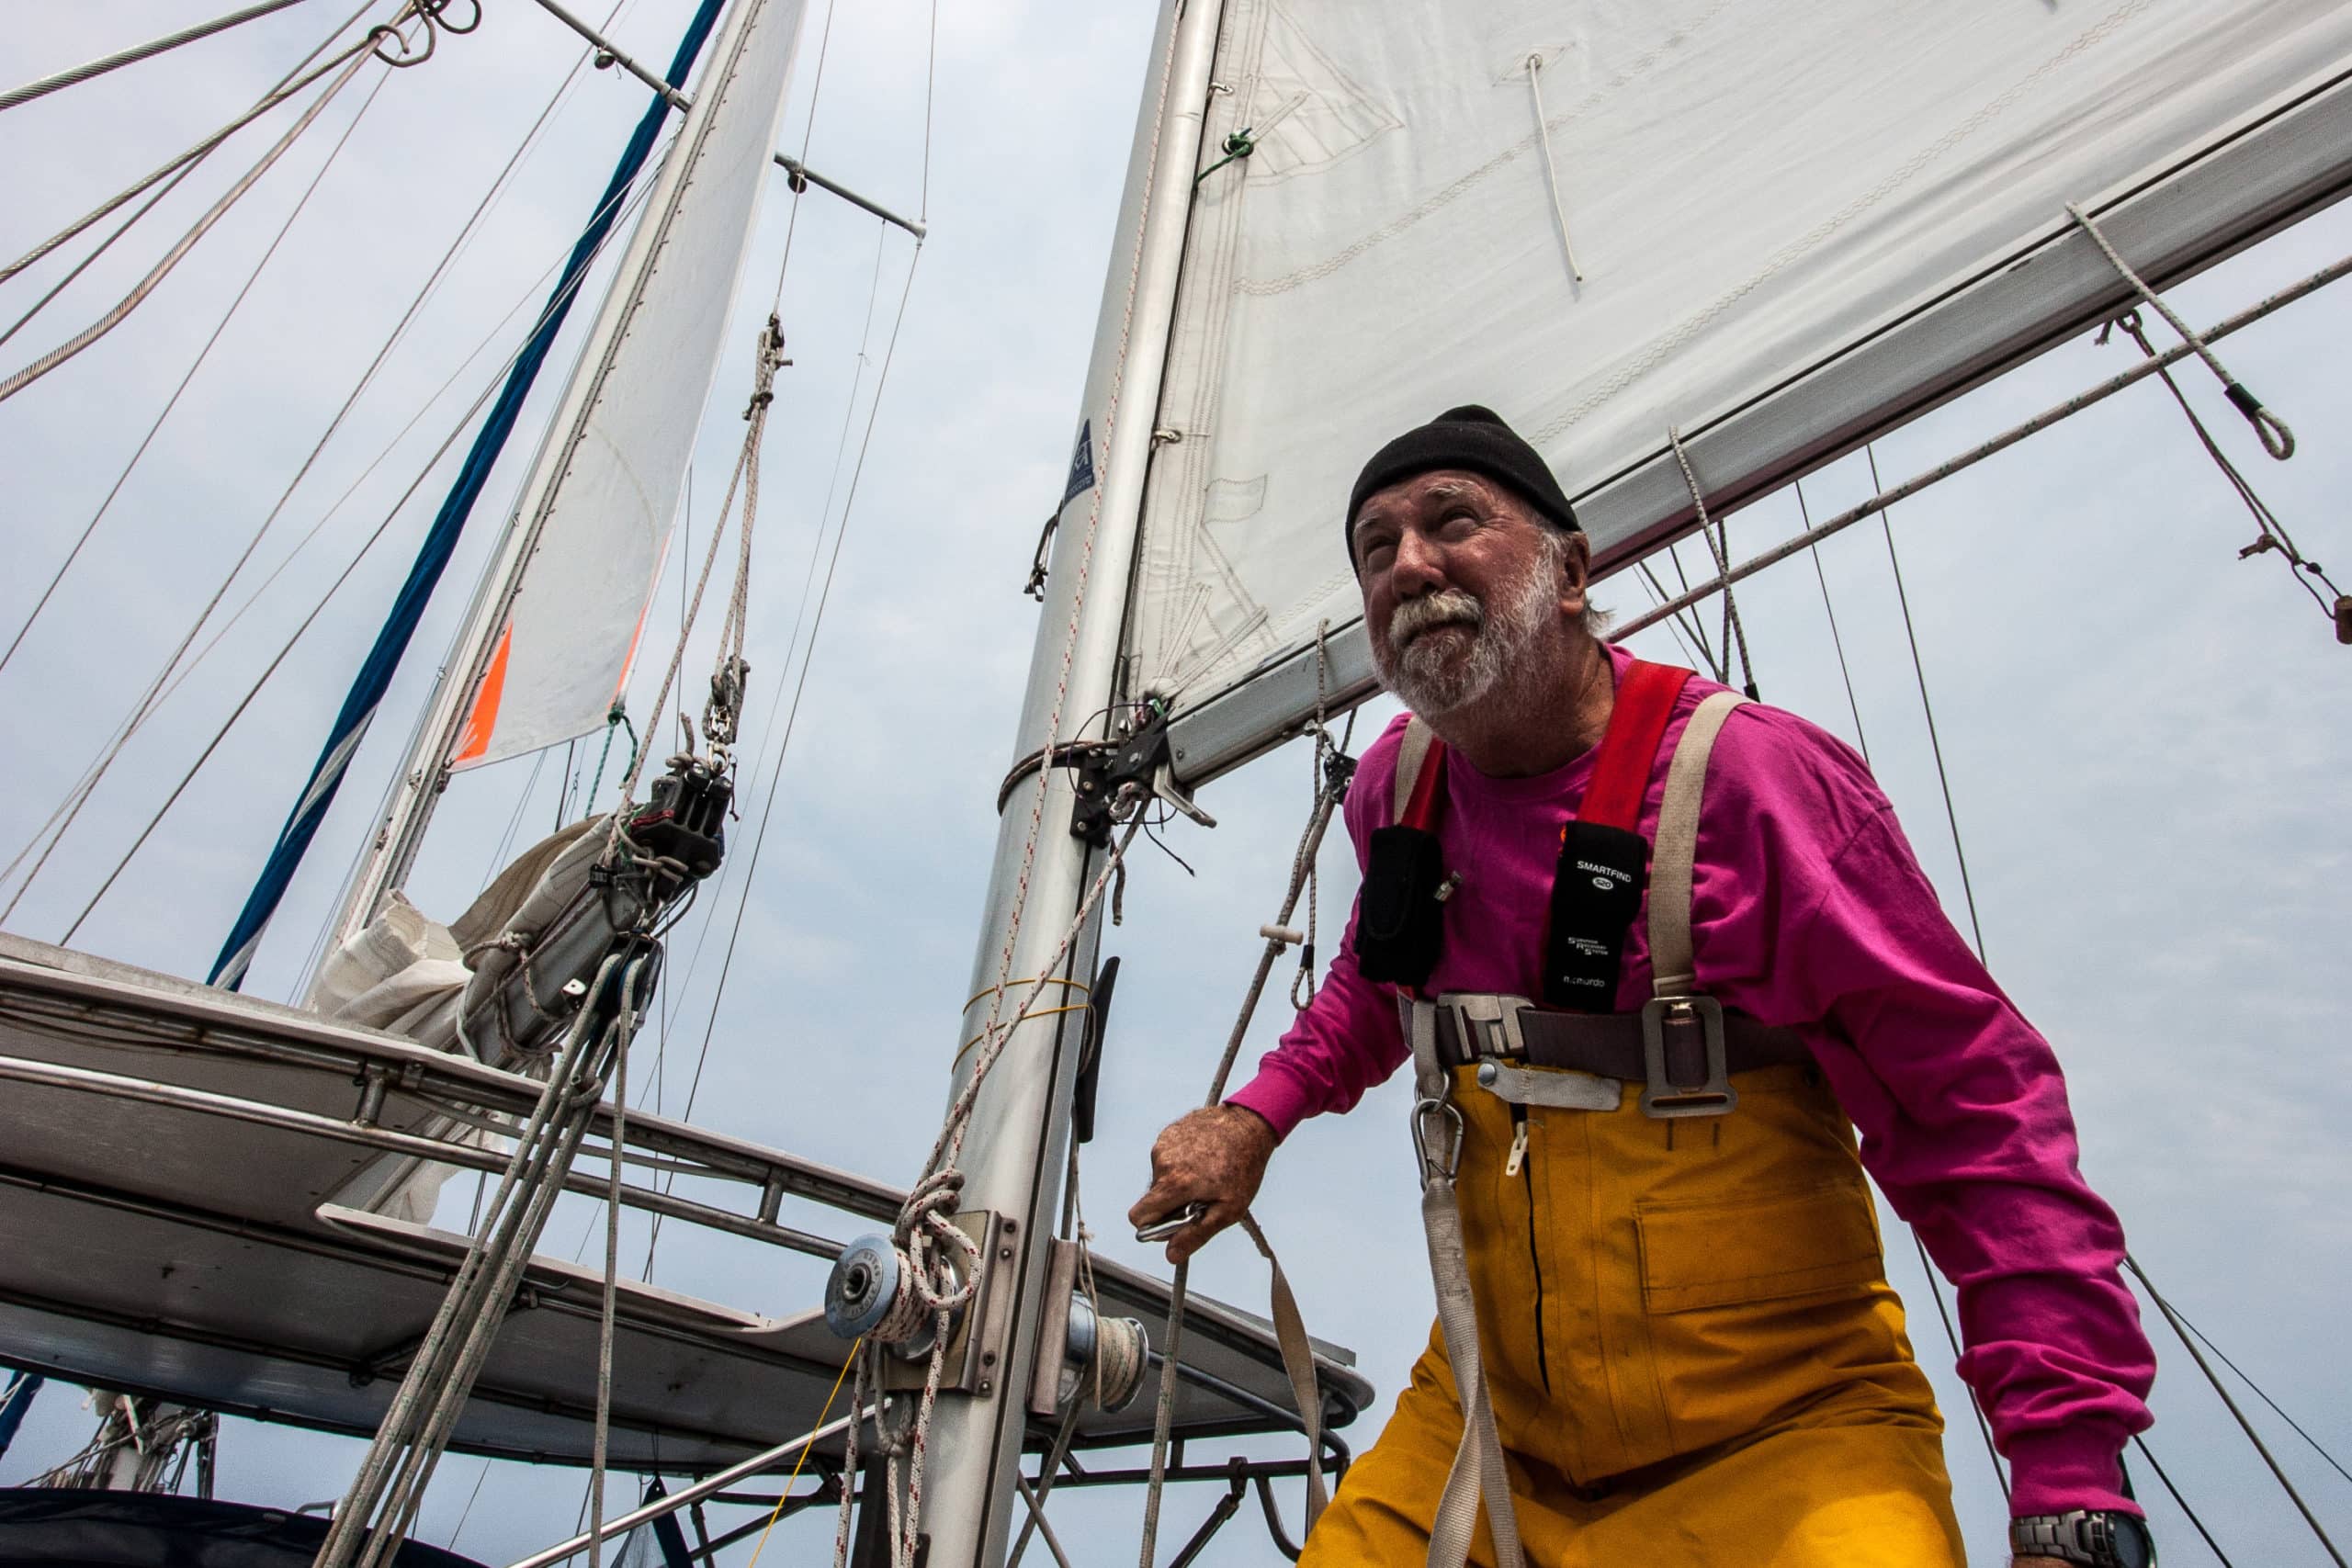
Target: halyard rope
2277, 439
1718, 547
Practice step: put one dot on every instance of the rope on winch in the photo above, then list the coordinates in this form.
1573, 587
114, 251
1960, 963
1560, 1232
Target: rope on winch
1718, 538
2276, 438
2271, 534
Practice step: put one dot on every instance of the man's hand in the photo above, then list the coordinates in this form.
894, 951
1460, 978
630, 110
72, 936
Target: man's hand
1216, 1155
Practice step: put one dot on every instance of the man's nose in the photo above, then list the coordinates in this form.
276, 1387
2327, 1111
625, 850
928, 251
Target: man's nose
1417, 568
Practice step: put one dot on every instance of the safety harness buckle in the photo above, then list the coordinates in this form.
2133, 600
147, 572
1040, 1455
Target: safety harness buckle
1684, 1058
1487, 1023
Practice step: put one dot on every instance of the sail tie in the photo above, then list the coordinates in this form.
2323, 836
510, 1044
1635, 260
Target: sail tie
1718, 538
1550, 172
2277, 439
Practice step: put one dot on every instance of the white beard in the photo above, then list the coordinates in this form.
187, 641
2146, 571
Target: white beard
1431, 673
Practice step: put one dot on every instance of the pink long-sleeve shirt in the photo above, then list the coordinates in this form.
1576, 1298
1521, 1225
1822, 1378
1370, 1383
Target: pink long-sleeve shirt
1809, 911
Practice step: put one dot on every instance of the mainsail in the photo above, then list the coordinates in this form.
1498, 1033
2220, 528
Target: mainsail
1611, 220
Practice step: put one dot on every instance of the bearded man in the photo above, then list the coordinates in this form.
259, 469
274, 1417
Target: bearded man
1656, 953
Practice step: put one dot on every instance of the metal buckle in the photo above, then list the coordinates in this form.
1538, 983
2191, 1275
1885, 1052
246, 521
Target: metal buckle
1661, 1097
1487, 1024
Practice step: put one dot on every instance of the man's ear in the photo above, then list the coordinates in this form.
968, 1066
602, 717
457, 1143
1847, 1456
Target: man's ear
1576, 568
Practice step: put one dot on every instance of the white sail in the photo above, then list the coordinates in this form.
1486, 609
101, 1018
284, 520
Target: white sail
1750, 191
603, 495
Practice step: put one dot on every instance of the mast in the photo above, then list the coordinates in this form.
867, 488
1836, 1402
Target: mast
1019, 1129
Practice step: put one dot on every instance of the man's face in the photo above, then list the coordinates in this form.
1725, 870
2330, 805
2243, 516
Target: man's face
1462, 582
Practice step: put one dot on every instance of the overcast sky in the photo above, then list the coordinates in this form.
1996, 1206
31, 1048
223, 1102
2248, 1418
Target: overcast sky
2144, 735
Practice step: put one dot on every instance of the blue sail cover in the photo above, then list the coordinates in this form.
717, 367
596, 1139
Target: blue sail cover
375, 671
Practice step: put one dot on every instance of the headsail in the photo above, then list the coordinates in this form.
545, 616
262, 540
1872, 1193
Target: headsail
604, 492
1751, 191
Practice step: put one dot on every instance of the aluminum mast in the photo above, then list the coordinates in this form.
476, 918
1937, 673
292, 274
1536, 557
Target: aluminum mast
1019, 1137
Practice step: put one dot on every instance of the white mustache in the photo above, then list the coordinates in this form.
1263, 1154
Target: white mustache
1450, 606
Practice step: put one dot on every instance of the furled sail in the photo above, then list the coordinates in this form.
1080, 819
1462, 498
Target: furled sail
1779, 226
596, 511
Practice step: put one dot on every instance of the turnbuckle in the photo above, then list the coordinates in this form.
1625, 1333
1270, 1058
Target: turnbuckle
1424, 1110
1684, 1087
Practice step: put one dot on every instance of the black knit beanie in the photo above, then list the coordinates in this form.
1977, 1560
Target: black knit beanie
1473, 438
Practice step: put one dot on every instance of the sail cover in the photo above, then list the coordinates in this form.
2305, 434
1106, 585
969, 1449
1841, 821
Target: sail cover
603, 490
1748, 188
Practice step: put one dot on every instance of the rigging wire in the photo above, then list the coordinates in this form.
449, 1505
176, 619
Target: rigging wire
203, 355
2211, 1545
137, 52
2271, 533
286, 87
465, 235
287, 647
807, 133
171, 402
792, 715
1927, 1265
1838, 641
2333, 1463
352, 61
1934, 740
72, 804
2278, 1471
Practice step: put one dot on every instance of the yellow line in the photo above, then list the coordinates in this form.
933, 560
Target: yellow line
1041, 1012
762, 1543
1081, 986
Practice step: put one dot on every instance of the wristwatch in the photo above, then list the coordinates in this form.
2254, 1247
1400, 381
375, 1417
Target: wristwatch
2097, 1538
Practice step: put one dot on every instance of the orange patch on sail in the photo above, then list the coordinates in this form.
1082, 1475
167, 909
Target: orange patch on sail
474, 740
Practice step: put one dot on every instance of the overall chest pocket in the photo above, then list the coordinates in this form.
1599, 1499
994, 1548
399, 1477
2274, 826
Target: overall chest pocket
1760, 1303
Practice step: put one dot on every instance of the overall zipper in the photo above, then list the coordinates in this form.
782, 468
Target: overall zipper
1516, 1164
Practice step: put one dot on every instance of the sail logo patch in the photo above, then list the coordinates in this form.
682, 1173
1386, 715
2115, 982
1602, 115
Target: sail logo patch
1081, 464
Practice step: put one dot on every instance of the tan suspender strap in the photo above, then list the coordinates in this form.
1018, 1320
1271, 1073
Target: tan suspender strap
1478, 1475
1409, 758
1673, 972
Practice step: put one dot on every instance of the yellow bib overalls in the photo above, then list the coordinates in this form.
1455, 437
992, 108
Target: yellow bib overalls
1692, 1352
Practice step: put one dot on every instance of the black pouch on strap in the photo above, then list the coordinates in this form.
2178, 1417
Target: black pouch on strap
1400, 922
1596, 892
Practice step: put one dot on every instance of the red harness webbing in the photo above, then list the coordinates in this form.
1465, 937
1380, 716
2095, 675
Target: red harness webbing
1620, 768
1621, 774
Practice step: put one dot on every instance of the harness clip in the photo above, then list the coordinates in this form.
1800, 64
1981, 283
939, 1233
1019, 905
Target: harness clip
1687, 1076
1487, 1023
1440, 1161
